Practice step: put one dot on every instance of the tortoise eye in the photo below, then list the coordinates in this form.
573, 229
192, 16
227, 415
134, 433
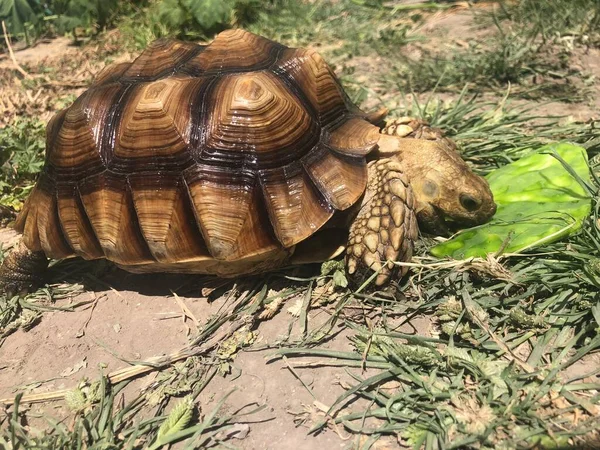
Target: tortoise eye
430, 188
469, 203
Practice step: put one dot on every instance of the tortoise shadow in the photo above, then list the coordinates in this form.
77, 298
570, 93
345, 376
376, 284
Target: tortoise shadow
101, 275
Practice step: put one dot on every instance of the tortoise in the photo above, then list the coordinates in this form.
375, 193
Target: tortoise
236, 158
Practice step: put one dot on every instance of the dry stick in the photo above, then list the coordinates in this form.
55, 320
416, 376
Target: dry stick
509, 354
186, 311
150, 365
12, 54
72, 85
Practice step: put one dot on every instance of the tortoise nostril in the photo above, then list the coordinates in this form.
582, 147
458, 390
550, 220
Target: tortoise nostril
469, 203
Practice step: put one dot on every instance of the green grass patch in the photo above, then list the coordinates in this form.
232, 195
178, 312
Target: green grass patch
536, 71
550, 19
531, 47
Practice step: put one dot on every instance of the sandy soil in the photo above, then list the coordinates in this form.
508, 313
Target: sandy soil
137, 318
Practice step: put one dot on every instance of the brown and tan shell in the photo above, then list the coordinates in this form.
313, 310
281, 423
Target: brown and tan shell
235, 151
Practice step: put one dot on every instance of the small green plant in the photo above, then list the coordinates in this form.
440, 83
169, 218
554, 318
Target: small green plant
22, 17
93, 14
21, 158
33, 18
187, 19
203, 17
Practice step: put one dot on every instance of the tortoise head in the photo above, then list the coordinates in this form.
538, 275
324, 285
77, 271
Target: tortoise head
449, 196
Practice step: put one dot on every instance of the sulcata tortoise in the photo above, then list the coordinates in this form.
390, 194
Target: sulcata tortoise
235, 158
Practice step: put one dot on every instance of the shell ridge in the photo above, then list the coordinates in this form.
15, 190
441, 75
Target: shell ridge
221, 208
299, 210
108, 202
181, 63
87, 224
192, 206
296, 90
50, 233
341, 178
52, 131
166, 218
225, 56
162, 50
200, 119
135, 222
136, 214
61, 228
109, 132
253, 196
280, 50
305, 161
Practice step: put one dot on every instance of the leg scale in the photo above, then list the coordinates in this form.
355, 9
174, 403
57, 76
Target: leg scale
386, 226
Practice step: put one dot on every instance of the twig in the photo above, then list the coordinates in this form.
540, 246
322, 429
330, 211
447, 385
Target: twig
186, 311
508, 353
12, 54
81, 331
67, 84
144, 367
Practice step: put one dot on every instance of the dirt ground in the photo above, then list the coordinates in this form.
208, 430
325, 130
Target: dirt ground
132, 325
137, 317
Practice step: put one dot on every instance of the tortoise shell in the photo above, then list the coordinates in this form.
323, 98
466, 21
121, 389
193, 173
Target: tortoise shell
234, 150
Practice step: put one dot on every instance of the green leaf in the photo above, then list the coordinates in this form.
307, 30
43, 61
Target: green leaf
339, 279
172, 14
84, 13
17, 13
210, 13
330, 266
596, 313
538, 200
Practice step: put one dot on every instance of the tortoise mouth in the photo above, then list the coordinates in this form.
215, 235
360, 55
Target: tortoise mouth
444, 224
451, 224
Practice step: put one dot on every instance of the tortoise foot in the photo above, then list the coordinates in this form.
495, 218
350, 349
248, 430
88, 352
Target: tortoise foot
22, 271
386, 226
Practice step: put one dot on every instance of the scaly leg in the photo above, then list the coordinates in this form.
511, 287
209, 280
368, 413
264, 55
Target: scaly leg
22, 270
386, 225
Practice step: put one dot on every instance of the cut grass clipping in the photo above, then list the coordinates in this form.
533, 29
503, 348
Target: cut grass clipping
541, 198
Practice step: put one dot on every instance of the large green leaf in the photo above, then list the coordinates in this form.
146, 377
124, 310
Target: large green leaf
539, 201
17, 13
172, 14
84, 13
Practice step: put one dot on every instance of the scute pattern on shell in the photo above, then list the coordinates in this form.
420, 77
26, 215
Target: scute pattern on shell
225, 151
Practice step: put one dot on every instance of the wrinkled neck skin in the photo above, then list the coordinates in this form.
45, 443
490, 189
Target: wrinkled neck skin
449, 195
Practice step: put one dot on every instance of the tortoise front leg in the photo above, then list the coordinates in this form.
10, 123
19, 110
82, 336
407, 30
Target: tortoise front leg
386, 225
22, 270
